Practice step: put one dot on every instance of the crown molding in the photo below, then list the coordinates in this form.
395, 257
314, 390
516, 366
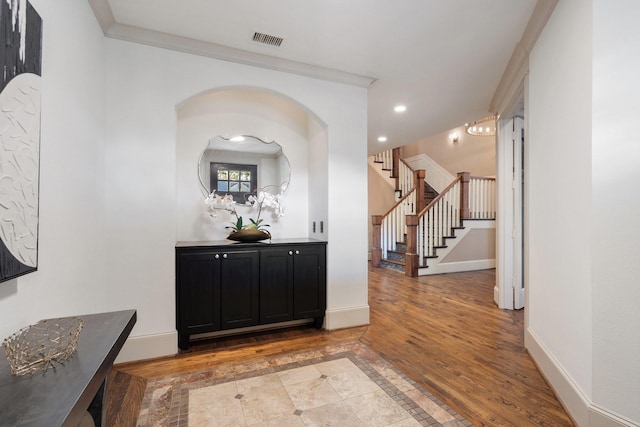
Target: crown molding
114, 30
102, 11
512, 78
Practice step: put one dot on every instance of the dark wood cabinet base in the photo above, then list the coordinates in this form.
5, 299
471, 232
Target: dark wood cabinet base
188, 341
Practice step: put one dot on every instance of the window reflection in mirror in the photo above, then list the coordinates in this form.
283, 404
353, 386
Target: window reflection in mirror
241, 166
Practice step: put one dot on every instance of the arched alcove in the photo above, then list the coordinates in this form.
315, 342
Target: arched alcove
266, 115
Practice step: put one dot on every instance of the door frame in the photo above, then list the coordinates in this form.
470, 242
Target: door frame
509, 292
503, 290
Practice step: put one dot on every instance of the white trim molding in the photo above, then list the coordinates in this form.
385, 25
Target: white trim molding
581, 410
510, 86
440, 265
458, 267
112, 29
435, 175
166, 344
148, 347
346, 317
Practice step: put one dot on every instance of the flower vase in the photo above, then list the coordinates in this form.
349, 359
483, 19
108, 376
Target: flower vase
249, 235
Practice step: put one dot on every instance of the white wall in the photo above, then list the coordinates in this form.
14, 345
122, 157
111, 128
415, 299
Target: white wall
615, 177
109, 187
318, 168
144, 87
582, 197
559, 209
71, 273
475, 154
346, 224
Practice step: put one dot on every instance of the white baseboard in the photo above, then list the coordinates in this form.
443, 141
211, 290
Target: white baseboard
148, 347
455, 267
599, 417
346, 317
571, 396
583, 412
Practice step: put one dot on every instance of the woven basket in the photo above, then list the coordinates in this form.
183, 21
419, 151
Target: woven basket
45, 344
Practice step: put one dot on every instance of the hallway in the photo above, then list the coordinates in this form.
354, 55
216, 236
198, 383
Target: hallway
444, 332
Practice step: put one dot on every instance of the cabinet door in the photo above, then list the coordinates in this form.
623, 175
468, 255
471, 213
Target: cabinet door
197, 293
276, 285
309, 281
239, 289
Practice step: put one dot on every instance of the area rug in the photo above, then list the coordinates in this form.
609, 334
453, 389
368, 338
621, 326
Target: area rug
339, 385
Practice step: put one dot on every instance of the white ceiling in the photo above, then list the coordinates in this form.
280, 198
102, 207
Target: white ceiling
443, 59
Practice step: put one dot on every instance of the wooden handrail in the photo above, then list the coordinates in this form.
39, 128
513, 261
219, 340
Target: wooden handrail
399, 201
407, 165
439, 196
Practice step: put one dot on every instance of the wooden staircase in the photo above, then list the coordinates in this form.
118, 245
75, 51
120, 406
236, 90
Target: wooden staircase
423, 223
396, 258
429, 193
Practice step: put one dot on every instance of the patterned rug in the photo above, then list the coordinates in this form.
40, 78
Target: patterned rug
340, 385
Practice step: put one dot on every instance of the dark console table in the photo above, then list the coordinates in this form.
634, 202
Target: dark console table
62, 396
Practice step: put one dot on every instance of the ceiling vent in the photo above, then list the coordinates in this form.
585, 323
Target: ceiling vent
267, 39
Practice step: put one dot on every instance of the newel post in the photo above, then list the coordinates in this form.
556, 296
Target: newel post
395, 157
376, 249
419, 180
411, 256
464, 194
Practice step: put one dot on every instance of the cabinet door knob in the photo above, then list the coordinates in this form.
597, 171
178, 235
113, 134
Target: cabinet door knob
224, 256
217, 256
290, 252
297, 252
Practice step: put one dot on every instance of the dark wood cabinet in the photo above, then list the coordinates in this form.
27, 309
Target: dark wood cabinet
216, 289
221, 286
238, 289
293, 283
276, 285
309, 279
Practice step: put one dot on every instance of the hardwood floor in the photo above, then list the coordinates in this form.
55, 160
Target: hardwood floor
443, 331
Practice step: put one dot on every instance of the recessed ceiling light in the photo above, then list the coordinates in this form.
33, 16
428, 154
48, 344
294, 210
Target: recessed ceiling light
237, 138
382, 139
400, 108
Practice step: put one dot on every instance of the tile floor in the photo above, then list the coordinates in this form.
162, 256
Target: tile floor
343, 385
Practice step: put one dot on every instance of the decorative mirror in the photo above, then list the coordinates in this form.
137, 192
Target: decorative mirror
243, 166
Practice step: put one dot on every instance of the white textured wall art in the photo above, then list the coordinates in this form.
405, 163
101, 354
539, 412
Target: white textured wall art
20, 137
20, 77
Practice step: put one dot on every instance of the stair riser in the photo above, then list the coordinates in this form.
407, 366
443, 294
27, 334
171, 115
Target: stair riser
395, 256
401, 247
391, 266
